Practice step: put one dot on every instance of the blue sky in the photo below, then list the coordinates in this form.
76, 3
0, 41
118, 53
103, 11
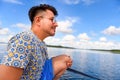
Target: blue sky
85, 24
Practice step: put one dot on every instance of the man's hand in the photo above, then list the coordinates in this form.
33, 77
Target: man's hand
68, 61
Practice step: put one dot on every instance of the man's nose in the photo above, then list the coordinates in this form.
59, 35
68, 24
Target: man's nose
56, 24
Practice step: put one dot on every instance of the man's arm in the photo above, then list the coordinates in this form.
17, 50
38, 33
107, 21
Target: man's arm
10, 73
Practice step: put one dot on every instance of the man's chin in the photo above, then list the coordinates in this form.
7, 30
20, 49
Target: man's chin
52, 34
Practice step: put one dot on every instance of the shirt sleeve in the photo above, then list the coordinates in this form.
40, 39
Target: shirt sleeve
18, 52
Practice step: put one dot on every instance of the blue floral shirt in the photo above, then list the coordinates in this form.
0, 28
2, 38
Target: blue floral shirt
26, 51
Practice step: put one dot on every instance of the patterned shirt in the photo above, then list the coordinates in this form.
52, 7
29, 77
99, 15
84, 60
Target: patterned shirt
26, 51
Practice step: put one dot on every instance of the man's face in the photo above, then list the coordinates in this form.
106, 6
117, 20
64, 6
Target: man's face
48, 23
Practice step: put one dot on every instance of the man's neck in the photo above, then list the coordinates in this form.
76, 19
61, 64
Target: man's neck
38, 33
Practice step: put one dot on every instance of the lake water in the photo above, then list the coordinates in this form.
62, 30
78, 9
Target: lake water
99, 64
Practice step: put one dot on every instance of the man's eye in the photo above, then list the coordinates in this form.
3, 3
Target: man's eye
52, 19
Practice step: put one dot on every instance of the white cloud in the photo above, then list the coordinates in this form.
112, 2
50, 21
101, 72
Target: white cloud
86, 2
5, 38
65, 26
71, 1
112, 30
105, 45
0, 22
53, 41
92, 33
97, 45
13, 1
68, 38
5, 34
83, 36
72, 41
22, 26
103, 39
4, 31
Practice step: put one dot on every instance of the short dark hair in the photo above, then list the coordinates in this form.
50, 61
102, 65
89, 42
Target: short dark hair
42, 7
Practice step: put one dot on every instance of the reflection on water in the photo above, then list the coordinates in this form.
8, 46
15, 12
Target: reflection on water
102, 65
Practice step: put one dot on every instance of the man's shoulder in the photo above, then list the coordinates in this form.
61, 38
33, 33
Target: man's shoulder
25, 35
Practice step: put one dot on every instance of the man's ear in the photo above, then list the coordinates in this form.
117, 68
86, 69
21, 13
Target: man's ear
37, 20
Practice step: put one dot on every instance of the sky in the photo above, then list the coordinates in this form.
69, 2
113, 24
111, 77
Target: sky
84, 24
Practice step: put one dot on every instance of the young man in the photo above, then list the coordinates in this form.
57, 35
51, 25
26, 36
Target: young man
27, 57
